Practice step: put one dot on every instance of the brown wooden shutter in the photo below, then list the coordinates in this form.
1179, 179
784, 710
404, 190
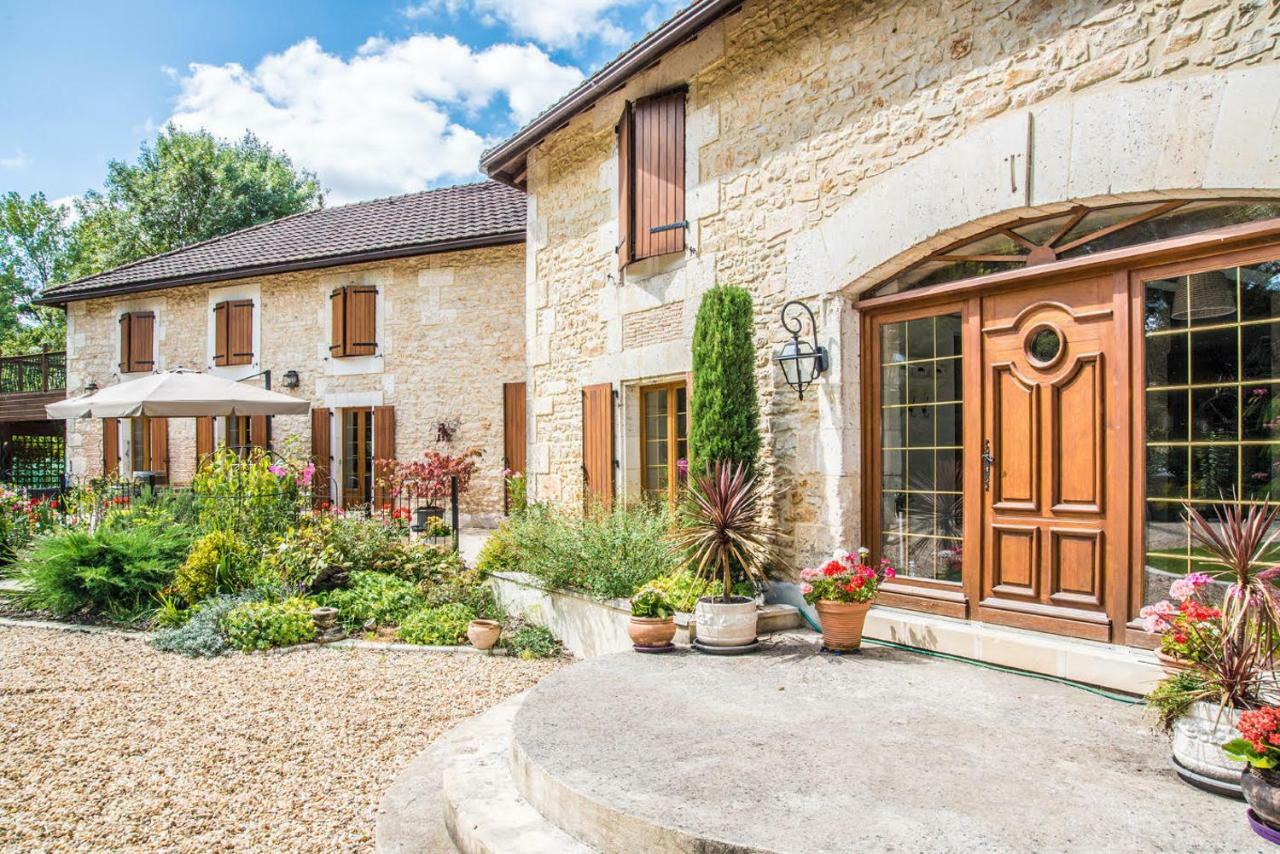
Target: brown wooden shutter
320, 454
626, 180
338, 322
110, 447
239, 338
659, 175
220, 334
384, 451
362, 321
513, 431
125, 349
204, 439
159, 462
597, 444
142, 329
260, 432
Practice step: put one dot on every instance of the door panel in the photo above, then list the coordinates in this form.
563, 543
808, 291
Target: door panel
1047, 538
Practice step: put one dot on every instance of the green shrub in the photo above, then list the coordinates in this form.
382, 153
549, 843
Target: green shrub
499, 552
529, 642
303, 558
452, 581
21, 521
684, 588
219, 562
115, 573
367, 542
723, 412
608, 554
445, 625
254, 495
201, 635
374, 597
263, 625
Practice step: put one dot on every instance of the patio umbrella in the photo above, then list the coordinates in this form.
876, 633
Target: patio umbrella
178, 394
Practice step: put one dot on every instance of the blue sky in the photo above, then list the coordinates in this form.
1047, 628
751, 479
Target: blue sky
377, 97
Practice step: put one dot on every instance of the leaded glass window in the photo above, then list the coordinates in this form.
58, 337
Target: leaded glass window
1212, 407
920, 437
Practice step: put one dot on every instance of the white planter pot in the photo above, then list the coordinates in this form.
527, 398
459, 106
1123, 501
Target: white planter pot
1198, 737
726, 623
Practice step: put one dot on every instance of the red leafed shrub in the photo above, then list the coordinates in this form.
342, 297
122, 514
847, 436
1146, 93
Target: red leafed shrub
428, 478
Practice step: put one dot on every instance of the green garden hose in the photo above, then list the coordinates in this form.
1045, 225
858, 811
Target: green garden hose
1110, 695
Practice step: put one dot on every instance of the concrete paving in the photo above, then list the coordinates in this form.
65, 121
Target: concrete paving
886, 750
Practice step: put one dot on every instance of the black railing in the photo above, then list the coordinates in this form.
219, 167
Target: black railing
33, 373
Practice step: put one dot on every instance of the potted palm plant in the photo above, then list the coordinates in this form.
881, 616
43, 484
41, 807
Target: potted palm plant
721, 531
1226, 650
653, 621
842, 591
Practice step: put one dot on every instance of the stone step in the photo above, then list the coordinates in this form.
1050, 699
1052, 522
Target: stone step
483, 810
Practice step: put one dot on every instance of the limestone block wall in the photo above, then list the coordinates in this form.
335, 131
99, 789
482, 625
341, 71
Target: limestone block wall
451, 332
830, 143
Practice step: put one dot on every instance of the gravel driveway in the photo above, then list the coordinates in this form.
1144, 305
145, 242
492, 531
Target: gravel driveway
107, 744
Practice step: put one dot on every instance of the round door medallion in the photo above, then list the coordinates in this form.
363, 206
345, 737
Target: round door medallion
1044, 346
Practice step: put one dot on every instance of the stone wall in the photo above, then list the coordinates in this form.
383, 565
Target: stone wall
451, 332
828, 141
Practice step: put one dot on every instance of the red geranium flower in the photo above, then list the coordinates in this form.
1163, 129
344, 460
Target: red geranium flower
833, 568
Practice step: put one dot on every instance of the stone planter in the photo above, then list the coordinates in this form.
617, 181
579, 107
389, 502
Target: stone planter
842, 624
726, 624
652, 633
1261, 787
327, 628
1198, 737
483, 634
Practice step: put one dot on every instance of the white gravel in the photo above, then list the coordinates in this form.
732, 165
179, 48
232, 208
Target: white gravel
108, 744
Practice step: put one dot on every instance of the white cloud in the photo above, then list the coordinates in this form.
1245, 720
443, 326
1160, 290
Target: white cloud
16, 161
556, 23
381, 122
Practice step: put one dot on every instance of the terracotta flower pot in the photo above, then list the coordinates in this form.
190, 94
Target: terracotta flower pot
1261, 787
842, 623
1171, 663
651, 632
483, 634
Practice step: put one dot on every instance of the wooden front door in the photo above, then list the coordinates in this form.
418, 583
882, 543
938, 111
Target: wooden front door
1053, 488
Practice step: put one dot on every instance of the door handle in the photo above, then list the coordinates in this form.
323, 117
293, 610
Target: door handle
987, 460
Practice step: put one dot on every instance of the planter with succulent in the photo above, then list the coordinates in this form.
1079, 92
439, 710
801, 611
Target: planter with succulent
721, 532
842, 591
653, 621
1259, 747
1224, 651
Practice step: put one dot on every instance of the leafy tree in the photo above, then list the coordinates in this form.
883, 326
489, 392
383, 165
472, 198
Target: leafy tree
187, 186
36, 250
723, 413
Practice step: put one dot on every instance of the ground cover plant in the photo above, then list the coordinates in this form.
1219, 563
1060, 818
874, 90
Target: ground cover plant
445, 625
373, 599
254, 626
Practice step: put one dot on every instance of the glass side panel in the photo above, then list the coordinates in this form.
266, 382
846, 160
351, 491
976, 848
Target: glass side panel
921, 500
1212, 408
654, 411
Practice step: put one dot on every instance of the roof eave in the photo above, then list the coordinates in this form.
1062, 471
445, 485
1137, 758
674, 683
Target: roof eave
505, 162
505, 238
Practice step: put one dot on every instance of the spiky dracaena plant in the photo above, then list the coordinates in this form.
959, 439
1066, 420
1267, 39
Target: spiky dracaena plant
1234, 666
721, 526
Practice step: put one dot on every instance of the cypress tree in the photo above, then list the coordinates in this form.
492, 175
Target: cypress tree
723, 413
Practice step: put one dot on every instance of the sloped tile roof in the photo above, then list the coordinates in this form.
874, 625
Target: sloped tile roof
487, 213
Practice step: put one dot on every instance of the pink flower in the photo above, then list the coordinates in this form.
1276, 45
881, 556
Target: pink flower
806, 588
277, 470
809, 574
304, 477
889, 572
1184, 588
1157, 617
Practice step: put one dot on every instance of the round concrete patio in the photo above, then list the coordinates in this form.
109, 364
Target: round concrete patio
787, 750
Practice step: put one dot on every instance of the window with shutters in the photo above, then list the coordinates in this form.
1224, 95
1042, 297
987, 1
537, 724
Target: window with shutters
354, 321
233, 333
651, 215
137, 341
664, 440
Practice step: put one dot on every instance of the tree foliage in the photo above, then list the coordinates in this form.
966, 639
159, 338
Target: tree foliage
36, 250
187, 186
723, 413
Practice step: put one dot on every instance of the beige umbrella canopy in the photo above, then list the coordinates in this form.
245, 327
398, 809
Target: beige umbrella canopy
178, 394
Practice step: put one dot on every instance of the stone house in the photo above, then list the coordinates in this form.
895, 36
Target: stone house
1041, 243
392, 317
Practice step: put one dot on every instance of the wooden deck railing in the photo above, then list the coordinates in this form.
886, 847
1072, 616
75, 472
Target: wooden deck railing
36, 372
